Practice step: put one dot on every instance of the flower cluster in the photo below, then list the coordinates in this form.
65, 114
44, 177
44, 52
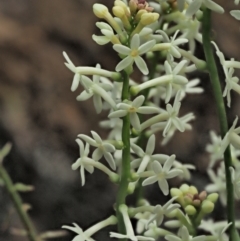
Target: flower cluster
157, 40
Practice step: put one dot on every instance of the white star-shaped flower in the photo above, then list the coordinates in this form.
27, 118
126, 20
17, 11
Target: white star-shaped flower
82, 162
102, 148
133, 108
133, 54
96, 90
161, 174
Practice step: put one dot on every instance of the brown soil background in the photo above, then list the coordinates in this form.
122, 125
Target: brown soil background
40, 116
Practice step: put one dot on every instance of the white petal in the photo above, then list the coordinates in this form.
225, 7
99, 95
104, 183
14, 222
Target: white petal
235, 14
76, 81
135, 42
137, 102
135, 122
110, 160
96, 137
213, 6
141, 65
193, 7
163, 185
84, 96
124, 63
151, 145
137, 150
117, 114
121, 49
157, 167
97, 101
168, 164
101, 40
149, 181
88, 140
97, 154
82, 175
146, 47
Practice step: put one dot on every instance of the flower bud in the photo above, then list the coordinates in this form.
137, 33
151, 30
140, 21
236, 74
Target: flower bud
193, 190
123, 6
207, 206
213, 197
190, 210
196, 202
133, 6
202, 196
184, 188
139, 14
149, 18
100, 10
118, 11
188, 198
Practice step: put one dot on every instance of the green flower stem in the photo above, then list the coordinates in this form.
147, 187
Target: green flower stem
125, 175
212, 69
31, 232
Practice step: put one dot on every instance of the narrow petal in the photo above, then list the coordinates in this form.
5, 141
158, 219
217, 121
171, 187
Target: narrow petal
168, 164
141, 65
149, 181
213, 6
135, 122
117, 114
76, 81
110, 160
97, 101
88, 139
101, 40
121, 49
146, 47
84, 96
97, 154
193, 7
157, 167
124, 63
108, 147
138, 101
96, 137
135, 42
151, 145
137, 150
163, 185
179, 67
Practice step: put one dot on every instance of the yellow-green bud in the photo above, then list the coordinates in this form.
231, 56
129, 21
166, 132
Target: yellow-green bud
133, 6
207, 206
149, 18
190, 210
175, 192
213, 197
193, 190
100, 10
123, 6
139, 14
118, 11
188, 198
184, 188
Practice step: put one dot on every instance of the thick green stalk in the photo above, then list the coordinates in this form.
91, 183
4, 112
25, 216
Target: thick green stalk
125, 173
31, 232
213, 72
